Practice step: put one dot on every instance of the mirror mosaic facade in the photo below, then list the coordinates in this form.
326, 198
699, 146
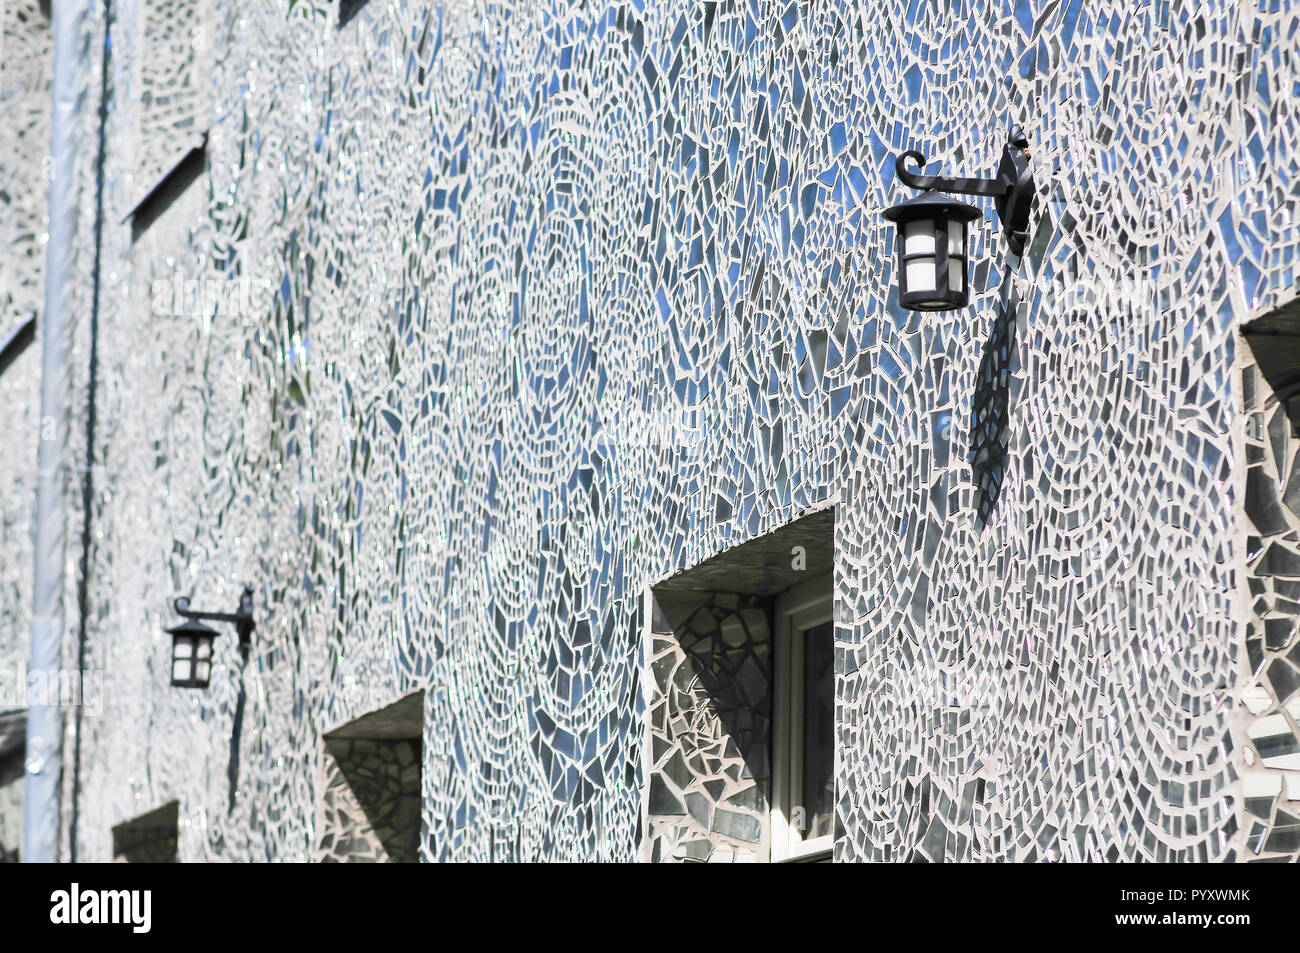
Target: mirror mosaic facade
485, 318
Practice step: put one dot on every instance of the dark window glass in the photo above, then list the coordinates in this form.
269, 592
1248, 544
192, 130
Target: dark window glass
818, 729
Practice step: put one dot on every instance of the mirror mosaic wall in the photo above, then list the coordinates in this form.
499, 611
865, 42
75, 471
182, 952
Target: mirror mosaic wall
24, 143
485, 317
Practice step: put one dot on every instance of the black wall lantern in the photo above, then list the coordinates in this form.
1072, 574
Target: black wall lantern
932, 228
192, 640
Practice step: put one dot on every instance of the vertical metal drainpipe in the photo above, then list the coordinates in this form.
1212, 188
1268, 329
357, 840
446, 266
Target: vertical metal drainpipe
45, 721
92, 383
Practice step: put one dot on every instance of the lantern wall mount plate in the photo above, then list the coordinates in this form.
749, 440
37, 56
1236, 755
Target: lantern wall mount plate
192, 640
932, 245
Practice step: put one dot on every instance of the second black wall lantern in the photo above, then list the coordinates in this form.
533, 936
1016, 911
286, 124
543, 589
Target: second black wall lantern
192, 640
932, 245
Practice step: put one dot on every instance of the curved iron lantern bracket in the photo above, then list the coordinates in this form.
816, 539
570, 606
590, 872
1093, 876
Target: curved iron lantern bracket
1012, 189
241, 618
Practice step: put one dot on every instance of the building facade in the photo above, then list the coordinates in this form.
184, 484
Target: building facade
540, 366
24, 146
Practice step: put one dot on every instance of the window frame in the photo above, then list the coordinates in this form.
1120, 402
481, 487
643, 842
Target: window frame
801, 607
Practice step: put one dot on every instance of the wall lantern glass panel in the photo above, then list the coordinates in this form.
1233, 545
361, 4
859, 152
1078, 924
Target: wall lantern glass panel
932, 251
192, 654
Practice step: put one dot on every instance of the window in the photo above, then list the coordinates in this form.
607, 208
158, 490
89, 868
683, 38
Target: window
348, 9
17, 342
740, 732
173, 83
170, 186
150, 838
803, 779
13, 730
174, 107
370, 804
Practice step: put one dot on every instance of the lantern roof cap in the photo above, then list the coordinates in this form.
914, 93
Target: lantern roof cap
192, 627
931, 202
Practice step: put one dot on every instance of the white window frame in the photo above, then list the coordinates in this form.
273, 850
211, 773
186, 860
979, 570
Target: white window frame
799, 608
